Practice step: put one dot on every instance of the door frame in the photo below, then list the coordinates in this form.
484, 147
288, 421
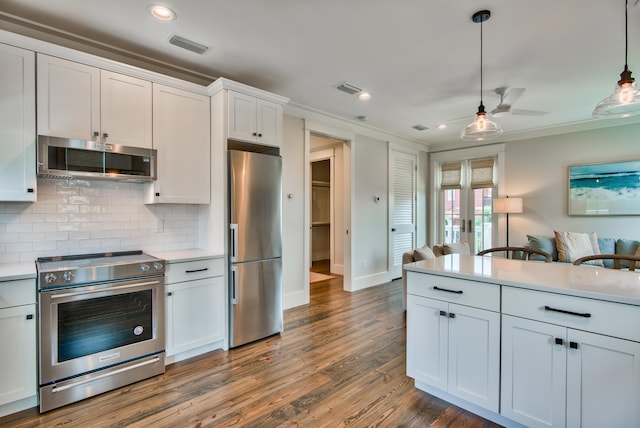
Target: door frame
438, 158
320, 155
347, 137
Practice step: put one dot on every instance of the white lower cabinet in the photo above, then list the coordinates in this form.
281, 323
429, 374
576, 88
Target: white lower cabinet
556, 375
452, 346
18, 366
195, 308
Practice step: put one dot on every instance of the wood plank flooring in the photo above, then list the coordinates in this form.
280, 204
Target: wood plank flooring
340, 362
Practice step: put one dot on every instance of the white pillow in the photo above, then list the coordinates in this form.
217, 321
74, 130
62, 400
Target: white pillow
423, 253
457, 248
573, 245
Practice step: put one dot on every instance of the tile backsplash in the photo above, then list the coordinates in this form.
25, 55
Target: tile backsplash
85, 216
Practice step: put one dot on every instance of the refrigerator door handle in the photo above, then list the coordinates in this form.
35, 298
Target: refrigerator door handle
234, 242
234, 285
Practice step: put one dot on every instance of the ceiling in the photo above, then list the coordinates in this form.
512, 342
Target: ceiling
420, 60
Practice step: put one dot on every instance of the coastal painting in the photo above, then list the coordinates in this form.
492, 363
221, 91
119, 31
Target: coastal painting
605, 189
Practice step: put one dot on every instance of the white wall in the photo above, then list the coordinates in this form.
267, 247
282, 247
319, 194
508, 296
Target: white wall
370, 231
295, 290
537, 170
82, 216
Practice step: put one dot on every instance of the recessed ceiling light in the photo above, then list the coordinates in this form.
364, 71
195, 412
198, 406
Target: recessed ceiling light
442, 126
162, 13
364, 96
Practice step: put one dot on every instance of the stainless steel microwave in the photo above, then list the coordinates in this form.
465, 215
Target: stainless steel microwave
70, 158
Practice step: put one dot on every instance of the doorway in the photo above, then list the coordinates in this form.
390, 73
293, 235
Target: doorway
326, 208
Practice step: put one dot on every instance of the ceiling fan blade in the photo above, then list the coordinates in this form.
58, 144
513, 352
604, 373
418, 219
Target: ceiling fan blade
528, 112
512, 95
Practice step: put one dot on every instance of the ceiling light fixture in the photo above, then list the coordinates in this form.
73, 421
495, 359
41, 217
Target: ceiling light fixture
625, 100
163, 13
481, 128
364, 96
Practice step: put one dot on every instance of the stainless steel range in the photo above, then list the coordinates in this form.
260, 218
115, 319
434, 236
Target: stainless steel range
101, 323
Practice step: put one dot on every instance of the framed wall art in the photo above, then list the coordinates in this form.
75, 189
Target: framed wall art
604, 189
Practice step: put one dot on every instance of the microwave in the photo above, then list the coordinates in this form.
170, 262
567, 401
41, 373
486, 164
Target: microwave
70, 158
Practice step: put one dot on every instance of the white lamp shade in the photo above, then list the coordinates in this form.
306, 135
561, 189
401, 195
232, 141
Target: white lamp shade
507, 205
481, 129
624, 102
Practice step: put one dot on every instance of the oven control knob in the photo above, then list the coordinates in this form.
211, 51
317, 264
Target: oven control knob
50, 278
157, 266
68, 276
144, 267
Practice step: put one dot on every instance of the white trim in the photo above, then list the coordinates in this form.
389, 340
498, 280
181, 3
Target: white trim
18, 406
369, 281
327, 154
297, 298
222, 83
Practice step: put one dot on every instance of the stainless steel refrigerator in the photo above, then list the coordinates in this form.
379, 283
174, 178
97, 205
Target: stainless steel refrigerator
255, 241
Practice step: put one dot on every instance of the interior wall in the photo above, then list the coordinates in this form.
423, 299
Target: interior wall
295, 290
537, 170
370, 218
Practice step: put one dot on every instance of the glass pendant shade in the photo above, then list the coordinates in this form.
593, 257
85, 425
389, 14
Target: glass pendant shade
624, 102
481, 128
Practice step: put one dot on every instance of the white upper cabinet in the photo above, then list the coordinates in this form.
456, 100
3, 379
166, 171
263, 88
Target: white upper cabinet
254, 120
84, 102
181, 129
17, 125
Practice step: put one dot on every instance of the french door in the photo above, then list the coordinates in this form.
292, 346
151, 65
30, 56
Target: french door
465, 205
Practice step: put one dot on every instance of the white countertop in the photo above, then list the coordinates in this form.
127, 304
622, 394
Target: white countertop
177, 256
13, 271
563, 278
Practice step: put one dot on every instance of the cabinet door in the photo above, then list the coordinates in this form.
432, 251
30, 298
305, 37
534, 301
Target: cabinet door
533, 372
181, 135
17, 124
125, 110
195, 314
68, 99
269, 122
474, 356
603, 381
242, 117
18, 353
427, 340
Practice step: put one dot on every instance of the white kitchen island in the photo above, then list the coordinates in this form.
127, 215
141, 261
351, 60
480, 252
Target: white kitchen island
526, 343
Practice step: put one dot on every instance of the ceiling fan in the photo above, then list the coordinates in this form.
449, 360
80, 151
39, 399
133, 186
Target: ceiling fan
507, 99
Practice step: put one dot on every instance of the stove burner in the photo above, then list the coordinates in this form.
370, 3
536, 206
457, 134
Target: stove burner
81, 269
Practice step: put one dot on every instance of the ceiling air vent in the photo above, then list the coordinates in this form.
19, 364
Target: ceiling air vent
349, 88
187, 44
420, 127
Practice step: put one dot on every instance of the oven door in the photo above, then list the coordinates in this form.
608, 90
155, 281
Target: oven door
91, 327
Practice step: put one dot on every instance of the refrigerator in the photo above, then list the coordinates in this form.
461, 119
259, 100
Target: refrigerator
255, 246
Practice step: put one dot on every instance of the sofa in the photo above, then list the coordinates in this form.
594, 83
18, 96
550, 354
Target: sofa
428, 253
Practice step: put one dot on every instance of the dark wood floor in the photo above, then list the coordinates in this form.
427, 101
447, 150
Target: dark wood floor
339, 362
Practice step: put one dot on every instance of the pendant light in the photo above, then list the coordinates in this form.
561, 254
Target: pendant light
481, 128
625, 100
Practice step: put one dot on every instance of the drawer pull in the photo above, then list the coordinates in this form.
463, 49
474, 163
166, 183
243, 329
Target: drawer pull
559, 341
443, 314
447, 290
573, 345
452, 315
197, 270
562, 311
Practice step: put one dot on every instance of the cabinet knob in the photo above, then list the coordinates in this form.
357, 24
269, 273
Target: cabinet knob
452, 315
170, 293
443, 314
30, 316
157, 194
30, 190
259, 135
105, 135
255, 134
96, 133
573, 345
559, 341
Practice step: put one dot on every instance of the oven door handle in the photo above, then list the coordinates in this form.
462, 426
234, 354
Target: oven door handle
100, 290
103, 375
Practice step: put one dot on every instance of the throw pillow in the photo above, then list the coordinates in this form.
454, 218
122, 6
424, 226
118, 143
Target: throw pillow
457, 248
544, 243
423, 253
607, 246
438, 250
573, 245
626, 246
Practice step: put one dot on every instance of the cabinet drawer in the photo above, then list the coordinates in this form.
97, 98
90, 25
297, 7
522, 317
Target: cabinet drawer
597, 316
464, 292
195, 269
18, 292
